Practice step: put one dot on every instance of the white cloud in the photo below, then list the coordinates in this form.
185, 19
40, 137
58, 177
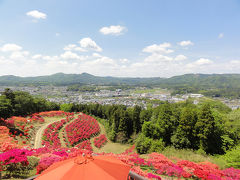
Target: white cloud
161, 48
6, 62
73, 47
200, 63
203, 61
157, 64
37, 56
79, 49
180, 58
36, 14
158, 58
220, 36
96, 55
50, 58
124, 60
89, 44
19, 54
113, 30
235, 61
69, 47
69, 55
57, 34
103, 61
10, 48
185, 43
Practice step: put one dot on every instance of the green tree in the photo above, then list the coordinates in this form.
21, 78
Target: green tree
24, 104
5, 107
205, 128
143, 144
9, 95
166, 122
151, 130
136, 118
66, 107
145, 115
233, 124
185, 136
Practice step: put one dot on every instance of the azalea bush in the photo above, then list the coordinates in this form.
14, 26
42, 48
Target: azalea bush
12, 121
46, 161
85, 145
18, 161
51, 136
82, 128
53, 114
100, 141
13, 162
37, 118
6, 142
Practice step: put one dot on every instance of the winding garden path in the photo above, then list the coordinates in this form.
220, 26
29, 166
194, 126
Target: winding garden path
38, 137
109, 147
60, 134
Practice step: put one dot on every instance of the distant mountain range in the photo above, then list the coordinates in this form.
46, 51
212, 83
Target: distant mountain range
61, 79
225, 85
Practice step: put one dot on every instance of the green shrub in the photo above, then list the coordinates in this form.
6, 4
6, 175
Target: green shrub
121, 137
157, 146
33, 162
143, 144
232, 157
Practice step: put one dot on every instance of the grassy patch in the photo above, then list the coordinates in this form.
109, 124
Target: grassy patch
109, 147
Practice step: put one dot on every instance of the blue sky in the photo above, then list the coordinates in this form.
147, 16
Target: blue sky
133, 38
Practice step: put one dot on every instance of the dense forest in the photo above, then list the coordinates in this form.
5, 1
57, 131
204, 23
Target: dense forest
21, 103
213, 85
207, 127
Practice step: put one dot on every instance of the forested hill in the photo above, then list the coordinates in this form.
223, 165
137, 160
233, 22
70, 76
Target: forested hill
69, 79
227, 85
217, 85
203, 80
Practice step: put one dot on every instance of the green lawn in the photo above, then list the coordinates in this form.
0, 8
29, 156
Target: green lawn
109, 147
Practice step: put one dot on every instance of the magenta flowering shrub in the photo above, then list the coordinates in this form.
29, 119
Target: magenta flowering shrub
100, 141
172, 170
153, 176
231, 173
14, 162
46, 161
82, 128
15, 156
151, 168
60, 153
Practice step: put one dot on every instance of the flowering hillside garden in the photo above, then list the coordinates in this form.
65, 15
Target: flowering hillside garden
82, 128
158, 165
18, 159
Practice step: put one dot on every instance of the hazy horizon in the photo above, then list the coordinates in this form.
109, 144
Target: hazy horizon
120, 39
126, 76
